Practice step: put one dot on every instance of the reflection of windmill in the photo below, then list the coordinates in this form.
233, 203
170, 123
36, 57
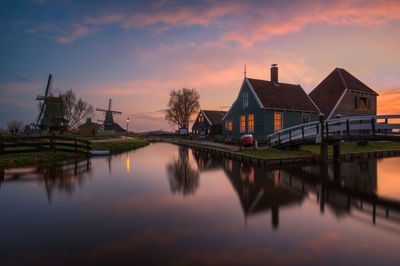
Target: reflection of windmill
51, 110
108, 122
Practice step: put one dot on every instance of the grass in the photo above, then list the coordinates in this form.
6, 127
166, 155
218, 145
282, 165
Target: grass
354, 148
28, 159
271, 153
119, 146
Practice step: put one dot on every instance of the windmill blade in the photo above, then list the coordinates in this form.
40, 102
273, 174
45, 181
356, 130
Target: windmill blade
101, 110
40, 114
40, 98
109, 104
116, 112
49, 85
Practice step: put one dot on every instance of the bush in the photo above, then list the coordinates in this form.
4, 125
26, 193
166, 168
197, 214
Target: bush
218, 138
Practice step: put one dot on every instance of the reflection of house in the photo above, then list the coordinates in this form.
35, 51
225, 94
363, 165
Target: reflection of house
257, 190
206, 161
342, 94
207, 122
263, 107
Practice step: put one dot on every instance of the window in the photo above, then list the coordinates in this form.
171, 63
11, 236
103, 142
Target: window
230, 125
226, 125
201, 117
245, 99
251, 123
306, 118
277, 121
243, 123
362, 103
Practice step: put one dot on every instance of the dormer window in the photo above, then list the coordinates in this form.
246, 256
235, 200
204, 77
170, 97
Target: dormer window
245, 99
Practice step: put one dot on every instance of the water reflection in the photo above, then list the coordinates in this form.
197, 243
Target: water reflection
63, 176
183, 178
347, 188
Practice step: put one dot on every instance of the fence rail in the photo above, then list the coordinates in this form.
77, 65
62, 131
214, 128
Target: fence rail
379, 127
44, 143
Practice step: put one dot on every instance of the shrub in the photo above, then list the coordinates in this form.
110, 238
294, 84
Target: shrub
218, 138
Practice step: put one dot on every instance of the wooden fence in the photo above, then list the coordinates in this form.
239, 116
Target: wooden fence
43, 143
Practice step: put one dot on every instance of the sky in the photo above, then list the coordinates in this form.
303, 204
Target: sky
136, 52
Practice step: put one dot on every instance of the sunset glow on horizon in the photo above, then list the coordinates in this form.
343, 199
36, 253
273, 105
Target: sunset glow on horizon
136, 52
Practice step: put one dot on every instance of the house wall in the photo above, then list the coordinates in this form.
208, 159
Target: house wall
263, 118
201, 126
347, 105
237, 110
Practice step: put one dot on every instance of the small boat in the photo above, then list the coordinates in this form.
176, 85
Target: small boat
246, 140
98, 153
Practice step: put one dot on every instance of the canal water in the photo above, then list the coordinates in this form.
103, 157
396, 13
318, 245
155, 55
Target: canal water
164, 204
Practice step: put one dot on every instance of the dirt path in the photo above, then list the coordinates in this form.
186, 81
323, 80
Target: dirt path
205, 142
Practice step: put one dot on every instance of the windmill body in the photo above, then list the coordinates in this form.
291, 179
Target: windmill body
51, 110
108, 123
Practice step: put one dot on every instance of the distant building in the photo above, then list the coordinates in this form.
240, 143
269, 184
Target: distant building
341, 94
263, 107
207, 123
90, 128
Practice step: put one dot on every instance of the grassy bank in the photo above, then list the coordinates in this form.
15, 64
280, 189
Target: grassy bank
34, 158
119, 146
271, 153
354, 148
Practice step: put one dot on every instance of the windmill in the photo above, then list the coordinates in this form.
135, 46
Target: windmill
108, 122
51, 110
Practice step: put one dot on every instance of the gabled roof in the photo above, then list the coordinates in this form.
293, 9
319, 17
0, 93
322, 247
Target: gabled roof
332, 89
282, 96
214, 117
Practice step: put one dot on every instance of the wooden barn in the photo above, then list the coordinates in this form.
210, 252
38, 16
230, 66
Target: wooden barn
341, 94
263, 107
208, 122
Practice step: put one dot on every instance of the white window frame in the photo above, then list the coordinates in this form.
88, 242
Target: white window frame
281, 121
245, 99
305, 115
240, 123
248, 123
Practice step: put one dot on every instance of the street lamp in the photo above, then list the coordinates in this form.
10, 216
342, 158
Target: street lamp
127, 124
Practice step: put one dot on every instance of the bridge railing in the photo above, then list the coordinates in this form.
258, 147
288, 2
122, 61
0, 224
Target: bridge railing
344, 128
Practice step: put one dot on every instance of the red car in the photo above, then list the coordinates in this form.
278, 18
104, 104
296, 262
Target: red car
246, 140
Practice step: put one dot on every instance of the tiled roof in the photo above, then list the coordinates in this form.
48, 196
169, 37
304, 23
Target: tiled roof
214, 116
282, 96
328, 92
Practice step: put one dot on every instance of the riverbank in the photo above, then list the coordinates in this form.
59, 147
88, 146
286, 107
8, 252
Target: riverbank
47, 157
119, 146
306, 154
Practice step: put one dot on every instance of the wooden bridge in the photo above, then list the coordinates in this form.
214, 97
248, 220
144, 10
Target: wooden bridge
52, 143
333, 131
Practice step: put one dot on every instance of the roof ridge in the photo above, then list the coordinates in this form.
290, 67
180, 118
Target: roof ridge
341, 77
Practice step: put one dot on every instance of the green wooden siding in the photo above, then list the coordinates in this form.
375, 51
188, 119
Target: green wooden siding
263, 118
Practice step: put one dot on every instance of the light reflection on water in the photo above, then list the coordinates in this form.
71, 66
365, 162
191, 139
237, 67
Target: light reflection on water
168, 205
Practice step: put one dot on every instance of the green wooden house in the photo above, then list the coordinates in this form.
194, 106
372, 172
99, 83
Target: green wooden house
263, 107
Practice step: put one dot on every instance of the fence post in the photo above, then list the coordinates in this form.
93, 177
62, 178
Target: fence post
87, 147
54, 142
302, 131
348, 128
1, 146
76, 146
279, 137
373, 126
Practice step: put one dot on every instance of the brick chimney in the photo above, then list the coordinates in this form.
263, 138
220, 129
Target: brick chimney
274, 73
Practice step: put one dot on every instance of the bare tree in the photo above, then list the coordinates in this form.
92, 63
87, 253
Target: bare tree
14, 126
74, 110
182, 105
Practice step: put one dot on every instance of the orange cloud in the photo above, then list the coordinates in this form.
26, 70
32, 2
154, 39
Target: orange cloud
389, 101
